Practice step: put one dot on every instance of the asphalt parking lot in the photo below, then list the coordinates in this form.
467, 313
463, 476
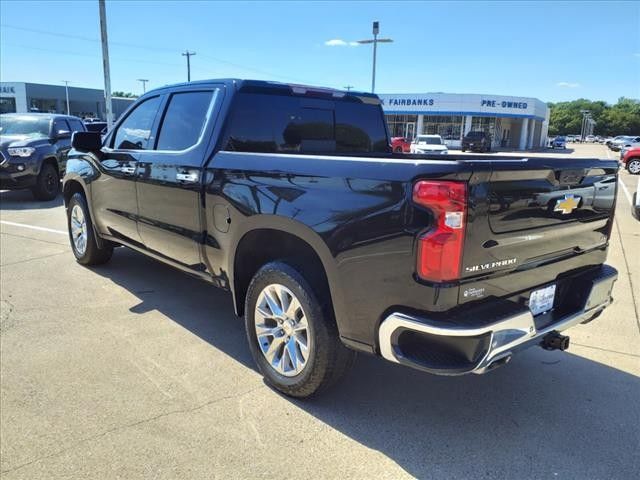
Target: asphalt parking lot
135, 370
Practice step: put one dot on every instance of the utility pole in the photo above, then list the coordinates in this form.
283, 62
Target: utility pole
105, 63
586, 118
144, 84
348, 87
188, 54
66, 91
375, 41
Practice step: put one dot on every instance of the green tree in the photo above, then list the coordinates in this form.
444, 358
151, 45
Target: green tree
623, 118
119, 93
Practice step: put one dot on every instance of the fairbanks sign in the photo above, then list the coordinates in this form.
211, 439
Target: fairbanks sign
459, 104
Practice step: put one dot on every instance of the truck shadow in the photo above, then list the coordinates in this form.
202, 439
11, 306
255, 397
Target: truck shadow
23, 200
545, 414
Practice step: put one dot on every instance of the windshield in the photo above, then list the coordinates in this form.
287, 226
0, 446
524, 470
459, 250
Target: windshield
429, 140
559, 139
475, 134
28, 126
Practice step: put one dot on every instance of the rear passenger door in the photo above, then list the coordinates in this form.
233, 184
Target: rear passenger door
170, 176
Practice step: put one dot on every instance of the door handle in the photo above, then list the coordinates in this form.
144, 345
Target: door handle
191, 177
128, 170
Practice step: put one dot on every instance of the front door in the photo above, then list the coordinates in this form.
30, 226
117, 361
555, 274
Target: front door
170, 176
114, 197
410, 131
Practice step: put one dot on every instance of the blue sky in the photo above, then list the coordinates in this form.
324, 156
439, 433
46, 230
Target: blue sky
551, 50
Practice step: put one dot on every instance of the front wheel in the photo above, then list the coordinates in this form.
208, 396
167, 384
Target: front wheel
633, 166
81, 234
47, 184
292, 336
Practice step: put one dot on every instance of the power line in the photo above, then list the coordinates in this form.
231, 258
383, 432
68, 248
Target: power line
145, 47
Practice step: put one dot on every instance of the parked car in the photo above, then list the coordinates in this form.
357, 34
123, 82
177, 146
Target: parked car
635, 205
290, 198
559, 142
590, 138
429, 144
400, 144
624, 141
630, 159
33, 151
476, 142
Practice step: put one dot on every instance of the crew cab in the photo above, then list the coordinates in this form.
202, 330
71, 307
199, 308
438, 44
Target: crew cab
429, 144
33, 151
290, 198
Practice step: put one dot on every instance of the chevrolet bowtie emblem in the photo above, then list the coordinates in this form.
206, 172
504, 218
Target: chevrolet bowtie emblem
567, 204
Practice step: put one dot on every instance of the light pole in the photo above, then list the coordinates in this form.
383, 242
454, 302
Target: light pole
144, 84
105, 63
188, 54
586, 115
66, 91
375, 41
348, 87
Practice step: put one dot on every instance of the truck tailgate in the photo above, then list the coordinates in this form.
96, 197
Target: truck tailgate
538, 212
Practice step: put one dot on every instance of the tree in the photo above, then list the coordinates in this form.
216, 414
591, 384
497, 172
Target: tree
623, 118
119, 93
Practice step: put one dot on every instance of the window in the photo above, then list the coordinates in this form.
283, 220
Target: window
449, 127
30, 126
76, 125
60, 125
280, 123
7, 105
134, 132
398, 125
184, 120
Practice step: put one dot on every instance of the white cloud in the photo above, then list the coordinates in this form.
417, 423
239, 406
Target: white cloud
636, 54
567, 84
338, 42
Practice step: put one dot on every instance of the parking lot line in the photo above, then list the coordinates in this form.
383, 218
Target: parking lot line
625, 190
33, 227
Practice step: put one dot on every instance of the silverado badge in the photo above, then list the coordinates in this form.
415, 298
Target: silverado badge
567, 204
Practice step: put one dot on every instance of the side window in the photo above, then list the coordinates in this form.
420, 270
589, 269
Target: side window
184, 120
60, 125
360, 128
76, 125
134, 132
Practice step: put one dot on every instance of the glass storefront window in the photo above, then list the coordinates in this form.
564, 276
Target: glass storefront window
449, 127
402, 125
43, 105
7, 105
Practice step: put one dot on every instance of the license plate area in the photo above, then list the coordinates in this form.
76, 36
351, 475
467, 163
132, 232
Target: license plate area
541, 300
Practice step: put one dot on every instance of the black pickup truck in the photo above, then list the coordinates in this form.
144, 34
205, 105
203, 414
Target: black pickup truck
290, 197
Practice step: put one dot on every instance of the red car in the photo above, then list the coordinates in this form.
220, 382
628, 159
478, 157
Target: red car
631, 160
400, 144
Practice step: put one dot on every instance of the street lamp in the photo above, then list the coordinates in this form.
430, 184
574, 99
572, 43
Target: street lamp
66, 91
144, 84
375, 41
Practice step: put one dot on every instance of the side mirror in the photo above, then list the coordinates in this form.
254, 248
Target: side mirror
86, 141
60, 134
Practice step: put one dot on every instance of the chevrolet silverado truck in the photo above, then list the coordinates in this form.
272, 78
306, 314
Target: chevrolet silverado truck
291, 198
33, 151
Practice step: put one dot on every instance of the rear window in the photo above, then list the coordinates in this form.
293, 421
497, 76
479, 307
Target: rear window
475, 134
289, 124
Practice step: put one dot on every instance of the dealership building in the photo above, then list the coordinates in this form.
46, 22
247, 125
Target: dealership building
518, 123
21, 97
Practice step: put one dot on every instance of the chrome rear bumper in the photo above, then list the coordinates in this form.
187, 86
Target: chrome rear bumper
482, 347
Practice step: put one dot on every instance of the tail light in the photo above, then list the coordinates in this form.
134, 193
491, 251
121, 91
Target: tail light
440, 248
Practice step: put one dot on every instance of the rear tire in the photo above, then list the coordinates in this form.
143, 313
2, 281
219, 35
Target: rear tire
305, 330
47, 184
81, 234
398, 150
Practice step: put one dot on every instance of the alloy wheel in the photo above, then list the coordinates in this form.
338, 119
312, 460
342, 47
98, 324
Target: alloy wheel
78, 229
282, 330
